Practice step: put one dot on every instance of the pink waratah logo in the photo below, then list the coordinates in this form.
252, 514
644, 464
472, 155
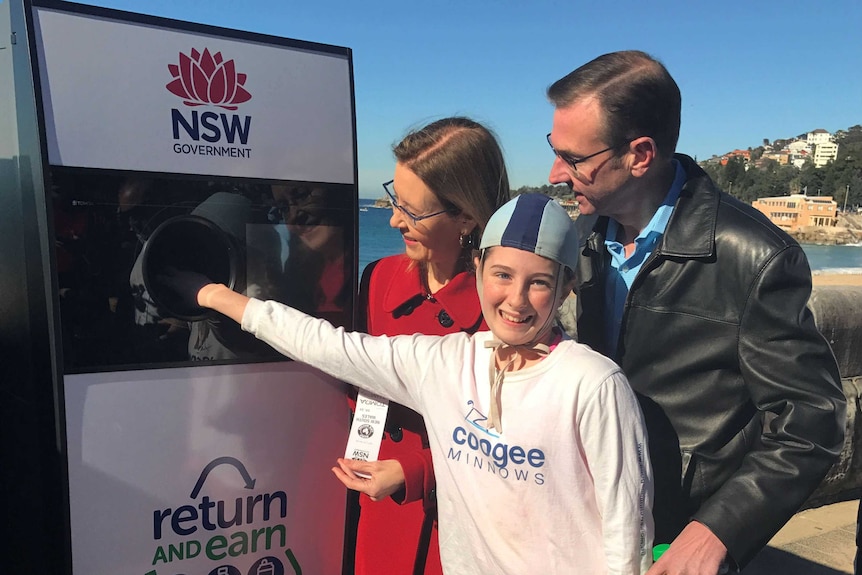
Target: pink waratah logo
207, 79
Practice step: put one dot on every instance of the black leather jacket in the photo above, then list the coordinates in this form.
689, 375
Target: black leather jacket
740, 392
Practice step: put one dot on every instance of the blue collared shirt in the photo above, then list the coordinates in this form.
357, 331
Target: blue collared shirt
623, 270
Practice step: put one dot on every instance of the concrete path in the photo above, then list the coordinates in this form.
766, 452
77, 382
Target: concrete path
818, 541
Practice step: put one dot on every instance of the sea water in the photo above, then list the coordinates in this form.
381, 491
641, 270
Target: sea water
834, 259
377, 240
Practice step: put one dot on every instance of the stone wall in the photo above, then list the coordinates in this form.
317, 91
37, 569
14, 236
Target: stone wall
835, 236
847, 231
838, 313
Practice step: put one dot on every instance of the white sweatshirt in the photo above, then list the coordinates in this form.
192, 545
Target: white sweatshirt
566, 488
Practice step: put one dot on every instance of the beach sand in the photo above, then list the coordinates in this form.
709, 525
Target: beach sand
837, 279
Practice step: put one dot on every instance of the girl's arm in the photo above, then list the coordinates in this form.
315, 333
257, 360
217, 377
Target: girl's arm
615, 443
223, 300
382, 365
393, 367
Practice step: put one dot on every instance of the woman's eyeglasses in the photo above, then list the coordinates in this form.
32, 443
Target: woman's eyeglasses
413, 217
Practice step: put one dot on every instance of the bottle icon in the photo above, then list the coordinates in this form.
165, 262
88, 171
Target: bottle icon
266, 568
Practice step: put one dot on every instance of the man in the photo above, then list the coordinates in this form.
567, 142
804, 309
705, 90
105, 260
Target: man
702, 301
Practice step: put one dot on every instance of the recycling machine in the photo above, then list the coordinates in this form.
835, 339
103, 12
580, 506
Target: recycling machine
140, 437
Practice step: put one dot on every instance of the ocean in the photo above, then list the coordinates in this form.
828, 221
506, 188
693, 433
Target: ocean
834, 259
377, 240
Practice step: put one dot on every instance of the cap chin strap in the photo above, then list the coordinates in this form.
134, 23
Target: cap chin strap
496, 376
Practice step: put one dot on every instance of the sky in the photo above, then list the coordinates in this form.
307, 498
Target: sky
747, 71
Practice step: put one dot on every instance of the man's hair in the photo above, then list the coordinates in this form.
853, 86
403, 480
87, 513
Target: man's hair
460, 160
636, 93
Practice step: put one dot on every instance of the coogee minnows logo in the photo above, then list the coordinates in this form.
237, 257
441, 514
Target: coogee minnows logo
486, 451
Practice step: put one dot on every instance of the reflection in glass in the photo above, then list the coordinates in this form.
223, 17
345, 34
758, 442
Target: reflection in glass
290, 241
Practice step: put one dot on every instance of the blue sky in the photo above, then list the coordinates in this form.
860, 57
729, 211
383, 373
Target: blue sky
746, 71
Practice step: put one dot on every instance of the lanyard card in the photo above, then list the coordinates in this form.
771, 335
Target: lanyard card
366, 431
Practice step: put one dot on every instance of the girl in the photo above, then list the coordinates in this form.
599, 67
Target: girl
538, 442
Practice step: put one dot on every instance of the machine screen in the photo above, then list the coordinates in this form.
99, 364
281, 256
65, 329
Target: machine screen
291, 242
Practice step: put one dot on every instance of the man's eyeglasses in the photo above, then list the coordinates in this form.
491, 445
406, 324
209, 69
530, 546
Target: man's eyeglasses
413, 217
570, 160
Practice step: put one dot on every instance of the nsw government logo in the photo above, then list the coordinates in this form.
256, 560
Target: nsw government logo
204, 79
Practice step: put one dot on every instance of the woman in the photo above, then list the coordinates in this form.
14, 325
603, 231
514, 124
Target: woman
449, 178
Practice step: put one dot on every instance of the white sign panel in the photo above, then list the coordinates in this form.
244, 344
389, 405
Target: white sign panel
212, 470
130, 96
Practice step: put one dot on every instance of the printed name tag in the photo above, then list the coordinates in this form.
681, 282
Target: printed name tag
366, 432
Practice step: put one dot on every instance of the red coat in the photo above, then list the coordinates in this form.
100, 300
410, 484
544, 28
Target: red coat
397, 531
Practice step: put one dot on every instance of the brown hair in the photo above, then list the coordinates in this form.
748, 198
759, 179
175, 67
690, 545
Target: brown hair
636, 92
461, 162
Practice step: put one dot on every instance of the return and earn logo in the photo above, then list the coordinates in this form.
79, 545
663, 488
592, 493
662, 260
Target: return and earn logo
249, 484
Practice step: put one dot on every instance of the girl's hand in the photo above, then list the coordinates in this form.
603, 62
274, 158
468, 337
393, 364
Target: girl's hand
377, 479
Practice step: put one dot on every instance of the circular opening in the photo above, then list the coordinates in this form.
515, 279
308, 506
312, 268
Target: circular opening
187, 243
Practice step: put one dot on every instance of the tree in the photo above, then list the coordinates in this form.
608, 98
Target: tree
855, 199
757, 153
810, 178
853, 135
713, 170
845, 171
734, 170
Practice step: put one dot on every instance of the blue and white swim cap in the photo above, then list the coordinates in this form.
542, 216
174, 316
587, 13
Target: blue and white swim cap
537, 224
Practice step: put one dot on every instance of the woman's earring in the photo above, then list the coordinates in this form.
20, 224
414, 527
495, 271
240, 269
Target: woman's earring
467, 241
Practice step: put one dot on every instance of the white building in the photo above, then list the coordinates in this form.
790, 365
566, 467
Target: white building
825, 153
797, 146
818, 136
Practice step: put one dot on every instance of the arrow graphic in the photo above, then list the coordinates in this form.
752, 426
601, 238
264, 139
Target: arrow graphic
249, 482
293, 562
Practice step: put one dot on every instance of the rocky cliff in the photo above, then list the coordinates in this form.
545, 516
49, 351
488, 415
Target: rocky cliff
848, 231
